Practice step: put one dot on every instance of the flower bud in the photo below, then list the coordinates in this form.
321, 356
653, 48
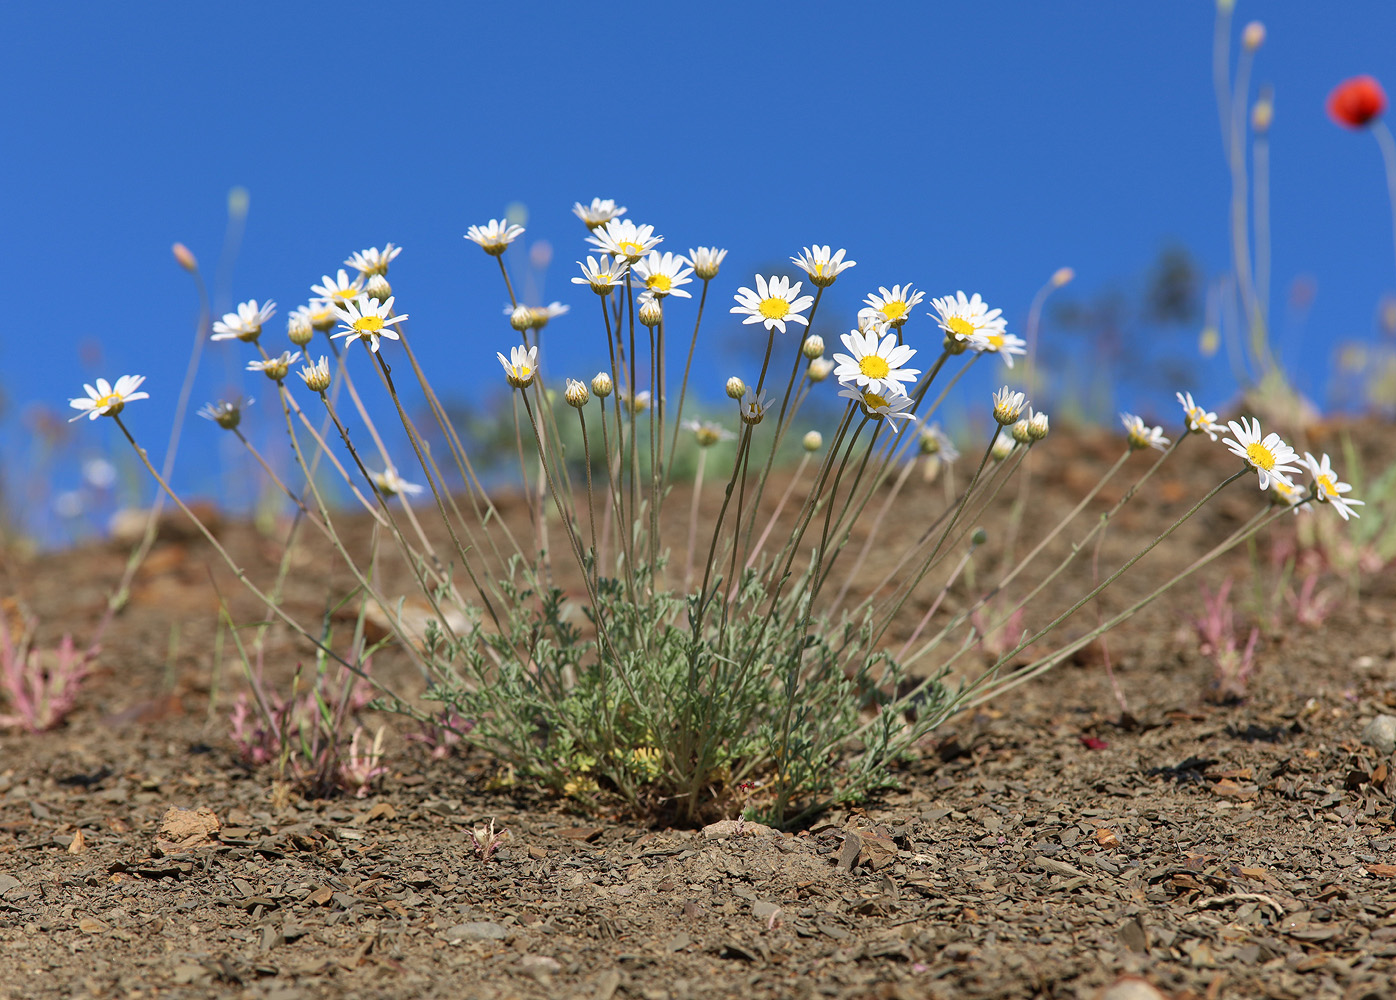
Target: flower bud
736, 388
930, 442
317, 376
1062, 276
1002, 447
601, 385
1020, 431
819, 369
954, 345
576, 394
1263, 113
651, 312
378, 288
299, 329
979, 537
184, 257
1037, 426
813, 347
707, 435
521, 318
1253, 36
812, 441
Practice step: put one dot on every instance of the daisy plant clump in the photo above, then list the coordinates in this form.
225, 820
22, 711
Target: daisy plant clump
742, 648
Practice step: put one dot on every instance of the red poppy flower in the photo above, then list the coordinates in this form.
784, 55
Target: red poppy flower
1356, 102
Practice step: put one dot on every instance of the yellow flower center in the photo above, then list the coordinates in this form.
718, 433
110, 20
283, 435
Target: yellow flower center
874, 366
659, 282
1196, 416
873, 401
102, 402
1260, 456
818, 267
523, 371
630, 248
367, 325
774, 308
995, 341
960, 327
1326, 486
894, 310
345, 293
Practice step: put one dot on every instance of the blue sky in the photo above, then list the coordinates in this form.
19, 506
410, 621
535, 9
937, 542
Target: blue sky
964, 145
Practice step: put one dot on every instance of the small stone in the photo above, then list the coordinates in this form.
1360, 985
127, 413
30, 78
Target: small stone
477, 930
1130, 988
764, 911
1381, 734
8, 882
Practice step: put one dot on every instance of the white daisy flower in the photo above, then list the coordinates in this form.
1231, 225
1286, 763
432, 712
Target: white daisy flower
373, 261
706, 261
707, 433
494, 238
1296, 498
368, 319
107, 400
622, 238
521, 367
875, 367
1199, 421
935, 441
322, 315
246, 323
774, 303
1270, 457
1327, 488
1002, 447
821, 267
877, 405
390, 484
819, 369
599, 212
275, 368
1141, 436
339, 288
968, 319
663, 274
1008, 406
894, 307
602, 275
226, 414
639, 403
1006, 345
752, 407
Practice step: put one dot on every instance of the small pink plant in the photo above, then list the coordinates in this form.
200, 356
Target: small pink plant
1310, 605
1216, 630
443, 735
362, 766
486, 840
999, 638
40, 686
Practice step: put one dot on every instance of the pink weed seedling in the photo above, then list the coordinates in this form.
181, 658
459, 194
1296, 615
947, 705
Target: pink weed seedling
1216, 632
40, 686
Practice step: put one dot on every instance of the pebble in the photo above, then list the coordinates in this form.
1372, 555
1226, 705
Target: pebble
1381, 733
478, 930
